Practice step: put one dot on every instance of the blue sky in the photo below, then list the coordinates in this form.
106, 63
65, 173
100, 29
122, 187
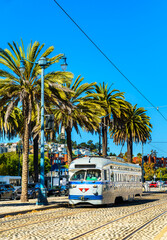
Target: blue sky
131, 33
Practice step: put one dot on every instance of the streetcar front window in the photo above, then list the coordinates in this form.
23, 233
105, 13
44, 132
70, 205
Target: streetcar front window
79, 175
93, 175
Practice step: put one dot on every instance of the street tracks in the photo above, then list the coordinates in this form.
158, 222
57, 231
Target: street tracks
73, 228
130, 232
29, 219
143, 226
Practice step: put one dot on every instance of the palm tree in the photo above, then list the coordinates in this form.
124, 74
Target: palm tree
133, 126
79, 110
14, 125
26, 88
111, 101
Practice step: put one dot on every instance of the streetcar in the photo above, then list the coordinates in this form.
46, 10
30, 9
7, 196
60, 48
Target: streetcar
98, 180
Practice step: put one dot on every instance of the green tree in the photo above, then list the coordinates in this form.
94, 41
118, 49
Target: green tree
134, 126
74, 144
25, 88
13, 126
161, 173
9, 164
83, 145
110, 100
31, 165
112, 154
79, 110
139, 155
89, 142
149, 171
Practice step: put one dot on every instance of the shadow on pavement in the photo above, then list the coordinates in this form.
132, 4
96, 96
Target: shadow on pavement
121, 204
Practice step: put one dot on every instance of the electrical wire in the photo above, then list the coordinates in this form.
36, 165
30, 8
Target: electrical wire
98, 48
157, 148
157, 107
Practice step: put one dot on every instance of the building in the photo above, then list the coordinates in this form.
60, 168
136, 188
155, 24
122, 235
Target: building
159, 162
3, 148
59, 172
79, 152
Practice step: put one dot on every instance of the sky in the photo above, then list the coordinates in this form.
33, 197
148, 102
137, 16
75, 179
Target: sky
131, 33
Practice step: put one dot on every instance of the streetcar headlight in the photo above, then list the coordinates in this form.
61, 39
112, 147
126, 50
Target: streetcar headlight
95, 186
73, 186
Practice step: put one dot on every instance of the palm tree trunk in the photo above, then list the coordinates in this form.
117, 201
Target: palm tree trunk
129, 149
24, 193
104, 137
69, 145
35, 144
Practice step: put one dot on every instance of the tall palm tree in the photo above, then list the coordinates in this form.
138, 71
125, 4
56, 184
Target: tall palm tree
79, 110
133, 126
25, 89
111, 101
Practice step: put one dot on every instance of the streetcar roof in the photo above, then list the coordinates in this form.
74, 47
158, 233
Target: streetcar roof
100, 162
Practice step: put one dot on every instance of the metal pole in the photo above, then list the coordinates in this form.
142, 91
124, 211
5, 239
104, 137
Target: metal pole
59, 171
142, 165
42, 128
51, 172
42, 200
100, 140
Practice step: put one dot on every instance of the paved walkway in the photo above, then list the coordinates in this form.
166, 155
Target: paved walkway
16, 206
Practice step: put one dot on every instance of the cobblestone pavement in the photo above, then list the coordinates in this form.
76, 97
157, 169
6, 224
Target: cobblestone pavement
16, 205
66, 223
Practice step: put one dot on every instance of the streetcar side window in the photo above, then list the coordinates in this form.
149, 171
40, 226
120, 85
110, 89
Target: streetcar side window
112, 176
108, 174
105, 175
115, 177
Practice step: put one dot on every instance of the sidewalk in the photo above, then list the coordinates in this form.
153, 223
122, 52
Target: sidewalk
13, 207
155, 189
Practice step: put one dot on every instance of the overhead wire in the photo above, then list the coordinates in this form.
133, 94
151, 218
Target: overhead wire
157, 148
98, 48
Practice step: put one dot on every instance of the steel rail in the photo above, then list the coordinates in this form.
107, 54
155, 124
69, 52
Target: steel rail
27, 217
41, 221
118, 219
144, 225
70, 214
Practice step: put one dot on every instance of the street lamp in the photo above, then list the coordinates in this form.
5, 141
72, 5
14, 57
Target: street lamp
42, 62
64, 64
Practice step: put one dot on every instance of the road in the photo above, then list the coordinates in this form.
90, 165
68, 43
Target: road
142, 219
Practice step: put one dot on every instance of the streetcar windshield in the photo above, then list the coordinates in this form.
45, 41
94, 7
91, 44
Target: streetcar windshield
93, 175
79, 175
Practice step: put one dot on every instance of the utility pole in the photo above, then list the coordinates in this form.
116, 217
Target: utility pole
100, 140
142, 163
